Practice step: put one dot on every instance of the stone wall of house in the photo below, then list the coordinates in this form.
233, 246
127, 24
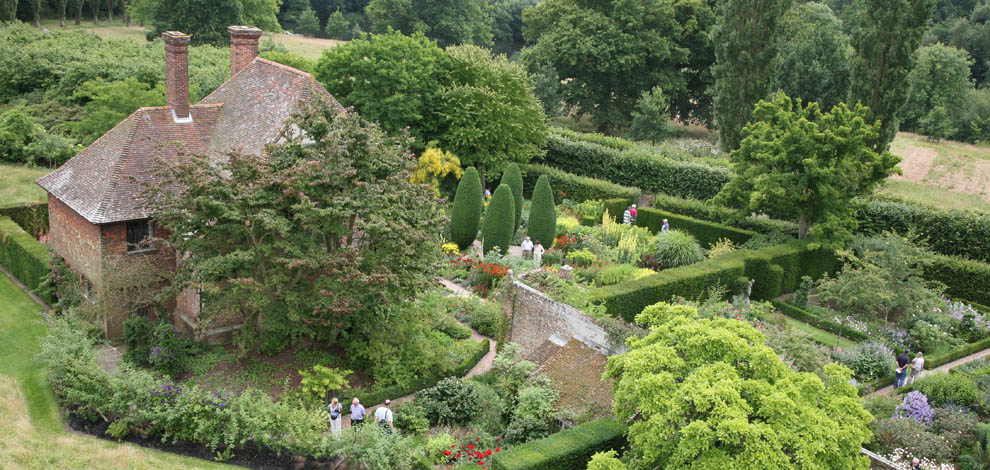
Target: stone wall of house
537, 319
72, 237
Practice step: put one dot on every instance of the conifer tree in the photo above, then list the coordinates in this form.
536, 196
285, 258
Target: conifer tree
542, 214
496, 230
465, 216
513, 178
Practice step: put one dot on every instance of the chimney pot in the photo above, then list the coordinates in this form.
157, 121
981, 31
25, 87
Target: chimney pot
177, 73
243, 46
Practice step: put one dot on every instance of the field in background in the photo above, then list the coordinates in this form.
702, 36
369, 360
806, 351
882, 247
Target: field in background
17, 184
310, 48
944, 174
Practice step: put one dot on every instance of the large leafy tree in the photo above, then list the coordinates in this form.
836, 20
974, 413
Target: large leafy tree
449, 22
606, 54
709, 393
390, 78
813, 55
940, 78
745, 47
487, 112
207, 20
315, 240
885, 35
973, 35
109, 103
8, 10
796, 162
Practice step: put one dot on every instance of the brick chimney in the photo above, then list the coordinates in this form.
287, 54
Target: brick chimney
177, 74
243, 46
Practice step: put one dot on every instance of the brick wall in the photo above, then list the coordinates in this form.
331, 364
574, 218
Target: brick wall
75, 239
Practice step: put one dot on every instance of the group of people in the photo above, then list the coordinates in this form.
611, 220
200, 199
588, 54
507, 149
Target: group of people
531, 251
908, 369
382, 417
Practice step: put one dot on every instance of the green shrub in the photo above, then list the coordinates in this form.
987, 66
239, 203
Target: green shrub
437, 444
706, 211
949, 232
574, 187
497, 228
616, 206
581, 258
963, 278
513, 178
943, 389
912, 436
32, 217
616, 273
158, 346
676, 248
452, 328
26, 258
570, 448
450, 401
542, 226
488, 320
708, 233
410, 418
465, 216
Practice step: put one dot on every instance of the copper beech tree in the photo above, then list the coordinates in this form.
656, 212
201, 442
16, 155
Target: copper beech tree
314, 239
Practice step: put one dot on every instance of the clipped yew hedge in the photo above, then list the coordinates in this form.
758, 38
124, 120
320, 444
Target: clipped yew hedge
465, 216
949, 232
26, 258
576, 188
542, 214
569, 449
706, 211
32, 217
706, 232
513, 178
964, 278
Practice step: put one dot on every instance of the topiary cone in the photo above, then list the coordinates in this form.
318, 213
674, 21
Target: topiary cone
513, 178
542, 214
497, 230
465, 216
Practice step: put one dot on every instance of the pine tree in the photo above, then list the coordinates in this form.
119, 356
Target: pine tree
8, 10
542, 214
513, 178
496, 230
307, 23
465, 216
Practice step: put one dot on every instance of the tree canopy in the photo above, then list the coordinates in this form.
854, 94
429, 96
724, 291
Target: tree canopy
813, 55
796, 162
709, 393
449, 22
940, 78
207, 20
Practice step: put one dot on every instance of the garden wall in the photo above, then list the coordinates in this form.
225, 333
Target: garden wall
537, 319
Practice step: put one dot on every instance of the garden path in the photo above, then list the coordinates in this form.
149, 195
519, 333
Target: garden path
943, 368
484, 365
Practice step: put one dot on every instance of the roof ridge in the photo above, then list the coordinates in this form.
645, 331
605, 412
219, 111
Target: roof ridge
118, 167
283, 66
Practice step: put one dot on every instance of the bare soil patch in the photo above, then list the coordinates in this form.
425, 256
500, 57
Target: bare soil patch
916, 162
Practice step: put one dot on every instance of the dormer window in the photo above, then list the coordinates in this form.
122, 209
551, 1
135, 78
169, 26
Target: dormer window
139, 235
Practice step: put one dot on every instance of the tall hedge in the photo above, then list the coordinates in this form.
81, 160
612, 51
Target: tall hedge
568, 449
465, 216
949, 232
706, 232
496, 229
574, 187
513, 178
964, 279
32, 216
26, 258
542, 214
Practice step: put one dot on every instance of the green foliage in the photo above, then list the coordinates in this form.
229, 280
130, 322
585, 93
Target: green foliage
607, 54
745, 49
205, 20
307, 23
32, 217
642, 168
707, 233
533, 412
488, 115
939, 79
448, 22
813, 55
451, 401
964, 279
606, 461
157, 346
8, 10
542, 225
936, 124
817, 321
496, 229
650, 119
512, 177
570, 448
949, 232
109, 103
410, 418
706, 211
676, 248
436, 445
801, 295
574, 187
400, 79
912, 436
322, 380
674, 375
581, 258
885, 36
465, 216
943, 389
22, 255
337, 25
788, 141
615, 274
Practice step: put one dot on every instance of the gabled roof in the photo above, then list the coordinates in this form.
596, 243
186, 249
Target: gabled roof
104, 182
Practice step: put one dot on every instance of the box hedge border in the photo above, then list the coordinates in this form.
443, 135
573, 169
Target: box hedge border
23, 256
569, 449
706, 232
574, 187
819, 322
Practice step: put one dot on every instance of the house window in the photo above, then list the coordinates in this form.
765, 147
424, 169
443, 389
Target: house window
145, 311
139, 236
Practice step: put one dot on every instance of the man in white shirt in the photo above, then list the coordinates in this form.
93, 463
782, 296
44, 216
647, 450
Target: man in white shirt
383, 417
527, 248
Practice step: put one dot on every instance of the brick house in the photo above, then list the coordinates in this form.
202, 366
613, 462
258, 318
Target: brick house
96, 212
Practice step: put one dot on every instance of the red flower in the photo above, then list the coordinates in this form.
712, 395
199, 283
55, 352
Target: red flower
498, 449
488, 452
453, 446
499, 438
481, 462
470, 446
447, 453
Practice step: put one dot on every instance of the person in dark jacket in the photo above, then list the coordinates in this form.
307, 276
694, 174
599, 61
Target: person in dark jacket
903, 362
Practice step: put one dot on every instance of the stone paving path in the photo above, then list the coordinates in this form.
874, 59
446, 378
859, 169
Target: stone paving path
943, 368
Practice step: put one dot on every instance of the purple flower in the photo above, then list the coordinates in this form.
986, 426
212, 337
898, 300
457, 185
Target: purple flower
915, 406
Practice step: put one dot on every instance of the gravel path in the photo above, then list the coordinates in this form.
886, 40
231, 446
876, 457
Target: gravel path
943, 368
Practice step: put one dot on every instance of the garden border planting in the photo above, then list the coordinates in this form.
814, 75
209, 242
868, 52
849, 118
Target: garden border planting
26, 258
931, 363
708, 233
570, 448
704, 210
830, 326
574, 187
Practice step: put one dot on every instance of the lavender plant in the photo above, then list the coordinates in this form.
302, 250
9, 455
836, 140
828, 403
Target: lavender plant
915, 406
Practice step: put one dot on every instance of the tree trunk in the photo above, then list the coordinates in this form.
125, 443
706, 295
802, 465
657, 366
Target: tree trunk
37, 13
110, 11
804, 223
78, 5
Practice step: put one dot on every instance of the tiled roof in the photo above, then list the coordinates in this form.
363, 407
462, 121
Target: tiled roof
104, 182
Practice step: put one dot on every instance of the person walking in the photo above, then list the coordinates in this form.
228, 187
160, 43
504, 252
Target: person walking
538, 253
903, 361
336, 416
383, 417
627, 216
357, 412
665, 227
632, 212
917, 365
527, 248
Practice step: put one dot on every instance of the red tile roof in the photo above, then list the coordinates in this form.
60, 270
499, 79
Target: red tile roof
104, 182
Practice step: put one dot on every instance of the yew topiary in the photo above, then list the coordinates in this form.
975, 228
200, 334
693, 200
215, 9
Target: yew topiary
513, 178
465, 216
497, 229
542, 214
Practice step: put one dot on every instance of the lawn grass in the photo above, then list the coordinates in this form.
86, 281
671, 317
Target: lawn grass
933, 195
818, 335
17, 184
31, 432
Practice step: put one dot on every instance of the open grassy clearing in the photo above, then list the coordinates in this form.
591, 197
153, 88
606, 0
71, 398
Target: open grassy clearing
945, 174
17, 184
31, 431
310, 48
818, 335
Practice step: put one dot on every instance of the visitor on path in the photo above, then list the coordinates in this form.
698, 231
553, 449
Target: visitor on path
627, 216
336, 416
903, 361
383, 417
488, 194
665, 227
527, 248
357, 412
632, 212
915, 464
538, 253
917, 365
